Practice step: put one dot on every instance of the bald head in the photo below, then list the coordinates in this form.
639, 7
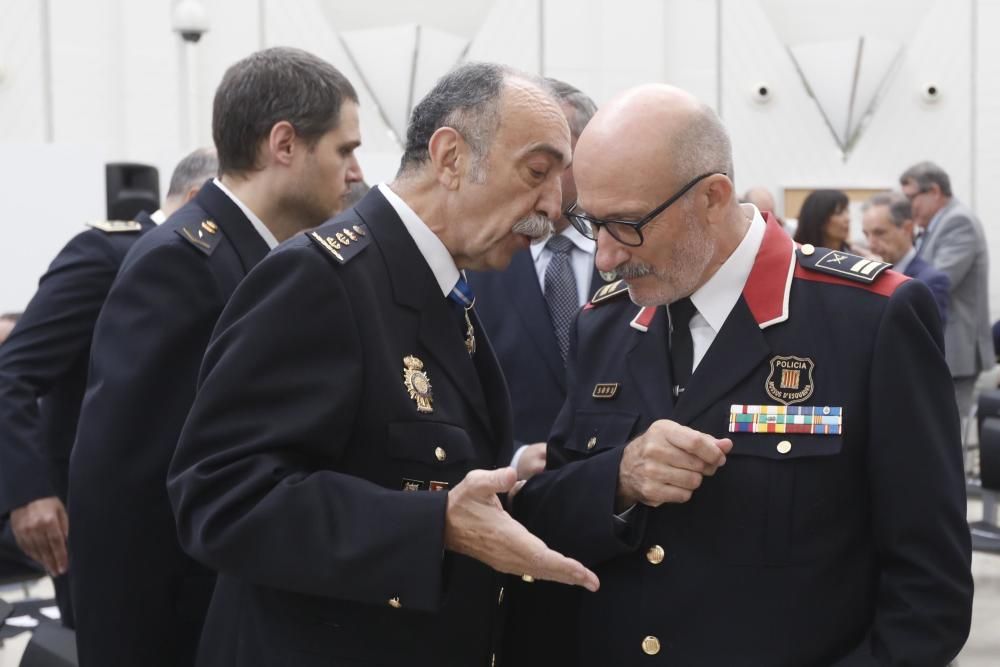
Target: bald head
655, 130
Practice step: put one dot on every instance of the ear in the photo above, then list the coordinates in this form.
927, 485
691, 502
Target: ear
907, 227
281, 144
718, 196
447, 150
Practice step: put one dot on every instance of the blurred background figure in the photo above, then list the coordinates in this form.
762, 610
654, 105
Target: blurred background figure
824, 221
7, 322
888, 225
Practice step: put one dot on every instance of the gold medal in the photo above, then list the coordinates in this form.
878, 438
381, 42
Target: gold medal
418, 384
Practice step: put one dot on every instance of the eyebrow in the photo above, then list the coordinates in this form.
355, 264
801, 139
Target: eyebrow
549, 149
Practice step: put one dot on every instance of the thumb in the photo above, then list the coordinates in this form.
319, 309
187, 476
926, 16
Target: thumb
500, 480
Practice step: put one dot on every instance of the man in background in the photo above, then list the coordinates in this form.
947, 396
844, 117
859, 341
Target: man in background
887, 220
43, 373
285, 126
952, 241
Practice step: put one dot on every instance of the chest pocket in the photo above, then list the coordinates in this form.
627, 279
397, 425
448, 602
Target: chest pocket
598, 431
779, 498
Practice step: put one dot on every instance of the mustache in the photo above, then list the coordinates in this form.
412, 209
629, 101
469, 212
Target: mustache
534, 226
633, 270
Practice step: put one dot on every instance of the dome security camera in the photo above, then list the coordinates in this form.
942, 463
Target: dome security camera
931, 93
190, 20
761, 93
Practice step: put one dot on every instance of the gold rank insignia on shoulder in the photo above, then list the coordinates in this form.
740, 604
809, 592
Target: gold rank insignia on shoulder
843, 264
605, 390
203, 235
609, 291
340, 240
417, 384
115, 226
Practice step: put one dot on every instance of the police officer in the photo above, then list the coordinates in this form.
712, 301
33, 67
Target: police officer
759, 455
285, 125
335, 465
43, 372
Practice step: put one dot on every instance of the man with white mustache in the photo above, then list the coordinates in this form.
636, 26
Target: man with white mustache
339, 466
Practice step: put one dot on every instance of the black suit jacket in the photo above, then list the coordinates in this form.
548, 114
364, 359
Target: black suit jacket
43, 364
845, 548
141, 599
513, 309
937, 281
290, 474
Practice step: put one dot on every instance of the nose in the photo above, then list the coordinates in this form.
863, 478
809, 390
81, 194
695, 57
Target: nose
610, 253
550, 200
354, 173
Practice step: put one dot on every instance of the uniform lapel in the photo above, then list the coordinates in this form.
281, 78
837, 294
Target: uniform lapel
414, 286
740, 345
648, 364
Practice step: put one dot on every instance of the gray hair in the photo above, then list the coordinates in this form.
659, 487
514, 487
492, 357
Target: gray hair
583, 107
468, 100
193, 170
270, 86
702, 146
925, 174
899, 206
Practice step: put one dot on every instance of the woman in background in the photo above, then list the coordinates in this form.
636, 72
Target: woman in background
824, 221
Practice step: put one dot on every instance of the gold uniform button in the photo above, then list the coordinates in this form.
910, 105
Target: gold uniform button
655, 554
650, 645
440, 454
527, 578
395, 603
808, 249
784, 447
592, 442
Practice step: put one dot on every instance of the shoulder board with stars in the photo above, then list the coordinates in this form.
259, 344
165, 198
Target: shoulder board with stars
202, 235
116, 226
343, 240
842, 264
608, 292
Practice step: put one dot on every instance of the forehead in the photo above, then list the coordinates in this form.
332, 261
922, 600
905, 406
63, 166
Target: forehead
875, 215
533, 124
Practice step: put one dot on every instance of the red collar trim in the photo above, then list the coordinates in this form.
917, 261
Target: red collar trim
643, 319
770, 280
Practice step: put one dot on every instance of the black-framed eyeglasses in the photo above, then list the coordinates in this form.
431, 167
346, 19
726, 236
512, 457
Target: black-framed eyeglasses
627, 232
914, 195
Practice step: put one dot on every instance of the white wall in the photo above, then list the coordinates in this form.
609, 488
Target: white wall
118, 91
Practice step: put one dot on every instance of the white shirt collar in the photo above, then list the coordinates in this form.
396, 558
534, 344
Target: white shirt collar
588, 246
716, 298
158, 216
257, 223
905, 260
430, 246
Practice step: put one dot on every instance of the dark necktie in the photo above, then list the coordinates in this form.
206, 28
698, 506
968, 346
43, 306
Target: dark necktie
463, 298
560, 291
681, 344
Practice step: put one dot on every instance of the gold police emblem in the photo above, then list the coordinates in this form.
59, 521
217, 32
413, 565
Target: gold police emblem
790, 380
417, 384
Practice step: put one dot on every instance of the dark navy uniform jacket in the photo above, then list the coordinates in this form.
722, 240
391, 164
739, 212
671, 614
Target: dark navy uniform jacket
291, 474
513, 310
43, 364
141, 600
845, 548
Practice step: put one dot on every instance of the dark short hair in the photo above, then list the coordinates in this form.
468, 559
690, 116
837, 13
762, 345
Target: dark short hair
899, 206
583, 107
193, 170
466, 99
815, 212
270, 86
925, 174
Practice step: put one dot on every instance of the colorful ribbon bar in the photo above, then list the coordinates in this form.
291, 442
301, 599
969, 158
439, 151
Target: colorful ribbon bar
818, 420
